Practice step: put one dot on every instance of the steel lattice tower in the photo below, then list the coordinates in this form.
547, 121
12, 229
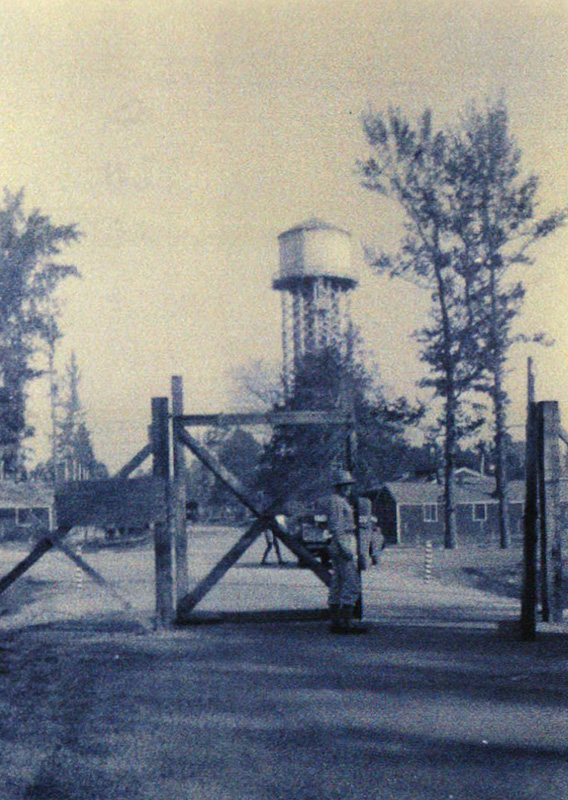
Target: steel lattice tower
315, 280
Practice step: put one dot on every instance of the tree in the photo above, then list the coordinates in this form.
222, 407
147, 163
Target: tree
298, 461
409, 166
29, 277
75, 456
496, 222
257, 384
72, 417
468, 218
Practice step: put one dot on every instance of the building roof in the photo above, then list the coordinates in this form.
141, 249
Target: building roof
25, 494
480, 491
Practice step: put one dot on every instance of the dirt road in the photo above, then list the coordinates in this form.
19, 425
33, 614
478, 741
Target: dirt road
430, 705
281, 712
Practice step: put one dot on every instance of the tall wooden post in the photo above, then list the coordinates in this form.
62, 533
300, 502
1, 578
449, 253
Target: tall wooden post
162, 530
179, 494
365, 527
529, 593
531, 391
550, 527
351, 464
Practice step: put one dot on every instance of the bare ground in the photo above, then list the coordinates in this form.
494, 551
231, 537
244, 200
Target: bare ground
95, 711
429, 707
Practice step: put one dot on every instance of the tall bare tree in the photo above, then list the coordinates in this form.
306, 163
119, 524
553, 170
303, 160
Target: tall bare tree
468, 218
497, 224
409, 165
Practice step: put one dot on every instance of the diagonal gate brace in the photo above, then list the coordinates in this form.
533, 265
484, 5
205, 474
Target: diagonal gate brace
188, 603
264, 520
39, 550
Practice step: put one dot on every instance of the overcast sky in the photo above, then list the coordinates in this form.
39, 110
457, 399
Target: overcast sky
183, 137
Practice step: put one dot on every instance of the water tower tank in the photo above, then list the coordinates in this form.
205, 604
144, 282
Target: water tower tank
316, 277
314, 249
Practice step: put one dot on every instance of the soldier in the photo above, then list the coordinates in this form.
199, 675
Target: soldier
272, 542
377, 541
345, 586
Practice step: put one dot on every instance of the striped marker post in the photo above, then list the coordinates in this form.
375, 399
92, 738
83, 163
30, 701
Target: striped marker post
428, 561
78, 571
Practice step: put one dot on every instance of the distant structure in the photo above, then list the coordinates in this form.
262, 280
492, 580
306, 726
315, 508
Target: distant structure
316, 278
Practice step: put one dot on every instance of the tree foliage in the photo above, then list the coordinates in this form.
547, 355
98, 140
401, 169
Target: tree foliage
469, 217
29, 276
497, 225
409, 165
73, 457
298, 461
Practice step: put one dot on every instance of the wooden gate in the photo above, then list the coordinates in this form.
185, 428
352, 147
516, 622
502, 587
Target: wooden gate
119, 501
265, 518
159, 500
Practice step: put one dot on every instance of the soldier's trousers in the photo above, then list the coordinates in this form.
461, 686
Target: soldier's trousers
345, 585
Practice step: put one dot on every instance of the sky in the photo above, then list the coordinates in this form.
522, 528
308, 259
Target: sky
184, 136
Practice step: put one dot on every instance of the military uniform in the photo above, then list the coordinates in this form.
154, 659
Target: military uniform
345, 585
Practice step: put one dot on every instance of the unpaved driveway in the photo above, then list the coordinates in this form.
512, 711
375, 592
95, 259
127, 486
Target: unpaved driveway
101, 710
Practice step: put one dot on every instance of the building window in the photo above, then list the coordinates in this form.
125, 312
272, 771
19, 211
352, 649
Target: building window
41, 516
430, 513
479, 512
23, 517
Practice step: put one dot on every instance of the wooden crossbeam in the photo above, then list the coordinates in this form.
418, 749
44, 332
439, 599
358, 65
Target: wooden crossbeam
235, 486
134, 462
93, 574
269, 418
55, 539
39, 550
218, 469
188, 603
304, 556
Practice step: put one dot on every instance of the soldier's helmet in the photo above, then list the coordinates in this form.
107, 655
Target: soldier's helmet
343, 478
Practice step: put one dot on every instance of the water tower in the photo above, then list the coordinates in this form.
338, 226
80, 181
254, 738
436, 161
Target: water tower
316, 278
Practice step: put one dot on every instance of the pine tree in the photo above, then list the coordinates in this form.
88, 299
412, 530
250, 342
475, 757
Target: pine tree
74, 451
409, 165
497, 225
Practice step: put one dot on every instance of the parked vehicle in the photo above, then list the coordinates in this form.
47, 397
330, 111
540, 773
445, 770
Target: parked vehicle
313, 534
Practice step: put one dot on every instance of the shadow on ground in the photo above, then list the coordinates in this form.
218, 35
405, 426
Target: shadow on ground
283, 711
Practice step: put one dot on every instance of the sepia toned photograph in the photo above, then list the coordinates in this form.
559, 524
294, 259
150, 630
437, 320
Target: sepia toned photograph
284, 400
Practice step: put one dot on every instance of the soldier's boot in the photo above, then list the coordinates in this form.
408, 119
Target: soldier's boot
347, 623
336, 625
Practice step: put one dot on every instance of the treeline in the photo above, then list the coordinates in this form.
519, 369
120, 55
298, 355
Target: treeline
297, 463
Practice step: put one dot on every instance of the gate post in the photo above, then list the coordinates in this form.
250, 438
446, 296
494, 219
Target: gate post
551, 529
351, 447
162, 530
179, 495
530, 540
